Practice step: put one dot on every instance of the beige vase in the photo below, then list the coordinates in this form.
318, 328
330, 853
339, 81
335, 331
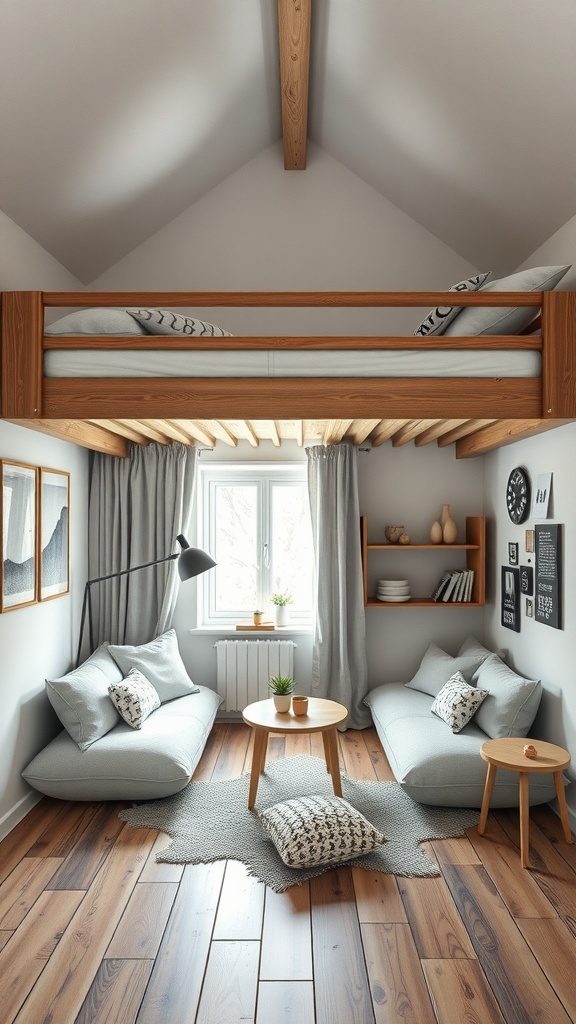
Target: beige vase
436, 533
449, 528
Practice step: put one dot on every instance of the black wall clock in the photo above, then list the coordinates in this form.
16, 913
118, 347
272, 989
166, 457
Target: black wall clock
518, 495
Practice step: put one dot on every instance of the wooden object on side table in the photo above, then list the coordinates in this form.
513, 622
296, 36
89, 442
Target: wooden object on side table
509, 753
323, 716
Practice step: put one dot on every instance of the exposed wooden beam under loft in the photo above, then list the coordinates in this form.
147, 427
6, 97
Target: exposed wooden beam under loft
294, 38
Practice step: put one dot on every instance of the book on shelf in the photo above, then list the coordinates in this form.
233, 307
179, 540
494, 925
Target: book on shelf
448, 594
441, 586
469, 585
460, 588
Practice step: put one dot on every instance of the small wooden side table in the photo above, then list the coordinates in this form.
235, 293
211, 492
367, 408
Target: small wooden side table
323, 716
509, 753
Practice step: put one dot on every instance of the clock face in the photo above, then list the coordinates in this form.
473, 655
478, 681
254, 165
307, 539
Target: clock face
518, 495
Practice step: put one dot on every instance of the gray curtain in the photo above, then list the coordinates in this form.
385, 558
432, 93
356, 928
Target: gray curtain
137, 507
339, 670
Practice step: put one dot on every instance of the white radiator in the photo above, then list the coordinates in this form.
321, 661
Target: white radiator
245, 666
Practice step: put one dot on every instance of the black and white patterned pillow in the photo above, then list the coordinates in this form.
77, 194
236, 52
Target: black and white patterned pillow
457, 702
166, 321
313, 830
438, 319
134, 698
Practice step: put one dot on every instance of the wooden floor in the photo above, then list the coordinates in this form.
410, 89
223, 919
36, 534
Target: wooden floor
94, 931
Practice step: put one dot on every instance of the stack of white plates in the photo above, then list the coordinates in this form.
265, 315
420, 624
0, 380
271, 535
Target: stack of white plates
393, 590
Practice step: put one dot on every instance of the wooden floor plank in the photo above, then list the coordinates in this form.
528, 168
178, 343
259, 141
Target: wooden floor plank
276, 747
241, 904
518, 982
286, 936
231, 756
460, 992
554, 946
86, 857
61, 988
176, 981
551, 827
378, 900
160, 872
341, 986
437, 928
296, 743
518, 889
23, 887
18, 842
316, 745
357, 761
285, 1002
454, 851
380, 765
23, 959
59, 837
214, 743
397, 985
116, 992
231, 984
4, 937
142, 925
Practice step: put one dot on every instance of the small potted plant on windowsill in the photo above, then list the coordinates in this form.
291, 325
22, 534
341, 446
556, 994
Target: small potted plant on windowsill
257, 616
281, 688
281, 602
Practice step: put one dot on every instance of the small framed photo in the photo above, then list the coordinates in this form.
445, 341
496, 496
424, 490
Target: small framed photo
510, 598
513, 553
54, 533
529, 608
542, 495
527, 579
529, 541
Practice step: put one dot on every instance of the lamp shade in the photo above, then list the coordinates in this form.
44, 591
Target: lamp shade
192, 561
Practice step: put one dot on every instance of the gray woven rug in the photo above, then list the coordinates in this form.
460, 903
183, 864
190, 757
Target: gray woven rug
210, 821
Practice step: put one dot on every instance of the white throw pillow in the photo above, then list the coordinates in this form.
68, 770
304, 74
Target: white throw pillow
478, 320
314, 830
438, 319
512, 701
134, 698
160, 662
166, 321
457, 702
437, 666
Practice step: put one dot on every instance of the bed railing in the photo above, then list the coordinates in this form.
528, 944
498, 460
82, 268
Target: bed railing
27, 394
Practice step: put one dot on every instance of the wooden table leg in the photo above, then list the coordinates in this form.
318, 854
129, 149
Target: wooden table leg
488, 787
258, 758
524, 821
332, 763
562, 806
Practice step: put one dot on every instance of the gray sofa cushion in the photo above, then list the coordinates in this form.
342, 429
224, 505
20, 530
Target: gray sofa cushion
160, 661
130, 764
437, 667
512, 701
81, 699
433, 764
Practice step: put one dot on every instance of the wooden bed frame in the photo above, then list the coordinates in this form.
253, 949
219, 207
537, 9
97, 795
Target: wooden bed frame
27, 394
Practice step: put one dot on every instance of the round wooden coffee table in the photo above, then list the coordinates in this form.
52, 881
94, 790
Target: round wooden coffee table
509, 753
323, 716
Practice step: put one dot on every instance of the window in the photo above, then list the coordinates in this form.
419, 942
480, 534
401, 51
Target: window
255, 522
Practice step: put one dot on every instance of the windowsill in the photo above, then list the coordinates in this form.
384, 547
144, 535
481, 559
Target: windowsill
301, 629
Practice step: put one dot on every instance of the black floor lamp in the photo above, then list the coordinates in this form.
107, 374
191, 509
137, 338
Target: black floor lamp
191, 562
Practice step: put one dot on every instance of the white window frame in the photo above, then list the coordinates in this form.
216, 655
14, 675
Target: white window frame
263, 475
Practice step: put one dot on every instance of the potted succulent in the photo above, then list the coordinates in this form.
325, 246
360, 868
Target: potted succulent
281, 602
281, 688
257, 616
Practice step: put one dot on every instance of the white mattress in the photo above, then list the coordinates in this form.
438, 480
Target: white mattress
348, 363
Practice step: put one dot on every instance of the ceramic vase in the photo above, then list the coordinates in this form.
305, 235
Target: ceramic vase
436, 533
282, 614
449, 528
299, 704
282, 702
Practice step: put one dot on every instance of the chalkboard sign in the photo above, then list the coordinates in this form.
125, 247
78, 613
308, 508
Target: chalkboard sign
548, 595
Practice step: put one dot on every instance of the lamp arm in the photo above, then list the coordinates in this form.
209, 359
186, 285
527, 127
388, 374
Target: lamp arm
133, 568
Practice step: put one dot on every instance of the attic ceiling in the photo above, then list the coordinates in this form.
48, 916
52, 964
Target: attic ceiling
116, 117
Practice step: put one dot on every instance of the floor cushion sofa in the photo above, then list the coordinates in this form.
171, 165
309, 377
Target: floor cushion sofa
437, 766
143, 744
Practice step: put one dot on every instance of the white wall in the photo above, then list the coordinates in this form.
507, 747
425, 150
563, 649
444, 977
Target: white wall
39, 640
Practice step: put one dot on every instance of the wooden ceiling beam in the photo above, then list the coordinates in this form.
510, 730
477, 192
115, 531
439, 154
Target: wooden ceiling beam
412, 429
80, 432
294, 36
501, 433
466, 427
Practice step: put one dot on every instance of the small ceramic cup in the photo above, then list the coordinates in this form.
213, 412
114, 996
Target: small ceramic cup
299, 704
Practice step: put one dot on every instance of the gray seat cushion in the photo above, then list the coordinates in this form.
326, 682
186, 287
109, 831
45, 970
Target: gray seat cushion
433, 764
130, 764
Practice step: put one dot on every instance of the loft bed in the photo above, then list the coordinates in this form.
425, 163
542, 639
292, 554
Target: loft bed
353, 376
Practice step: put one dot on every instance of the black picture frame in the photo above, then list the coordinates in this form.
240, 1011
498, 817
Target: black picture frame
527, 580
513, 553
548, 588
510, 598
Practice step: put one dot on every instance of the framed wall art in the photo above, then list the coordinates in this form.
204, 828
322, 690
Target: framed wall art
19, 529
513, 553
548, 590
54, 533
510, 598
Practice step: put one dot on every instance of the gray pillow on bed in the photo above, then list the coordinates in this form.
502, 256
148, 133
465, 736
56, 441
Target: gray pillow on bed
96, 321
161, 663
166, 321
477, 320
437, 667
81, 699
438, 319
